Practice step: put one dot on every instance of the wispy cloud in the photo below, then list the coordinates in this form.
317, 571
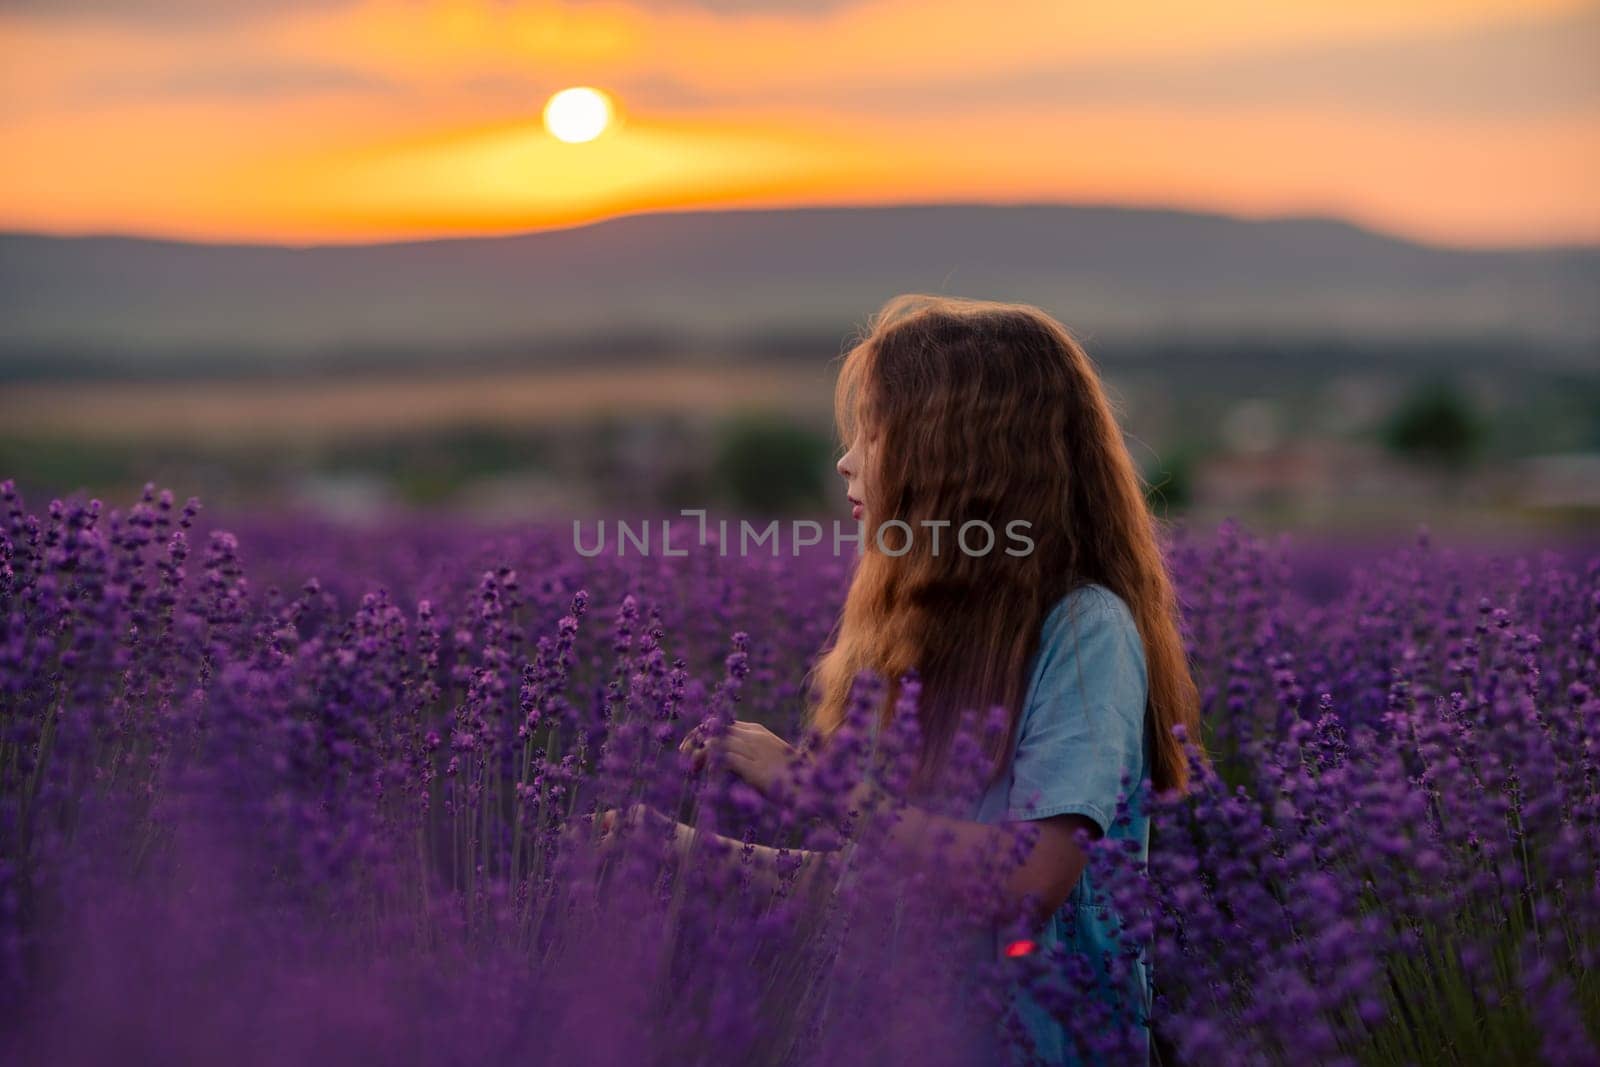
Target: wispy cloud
265, 81
748, 7
165, 13
1545, 65
648, 89
179, 12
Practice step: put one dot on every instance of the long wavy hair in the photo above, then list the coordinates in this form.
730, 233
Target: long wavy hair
991, 412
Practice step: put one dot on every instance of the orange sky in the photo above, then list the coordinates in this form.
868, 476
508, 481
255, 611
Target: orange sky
1459, 121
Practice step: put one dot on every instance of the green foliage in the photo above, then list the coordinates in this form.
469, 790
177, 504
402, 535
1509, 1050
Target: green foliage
1436, 423
1169, 482
768, 464
63, 463
448, 454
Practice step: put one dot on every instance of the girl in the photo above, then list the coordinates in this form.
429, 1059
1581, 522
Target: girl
959, 412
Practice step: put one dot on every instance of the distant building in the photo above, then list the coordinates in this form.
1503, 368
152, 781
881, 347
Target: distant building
1314, 479
346, 497
1564, 482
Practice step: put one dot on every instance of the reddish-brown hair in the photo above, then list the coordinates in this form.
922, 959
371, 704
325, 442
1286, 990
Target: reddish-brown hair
992, 412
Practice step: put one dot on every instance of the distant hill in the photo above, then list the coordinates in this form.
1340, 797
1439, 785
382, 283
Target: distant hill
710, 280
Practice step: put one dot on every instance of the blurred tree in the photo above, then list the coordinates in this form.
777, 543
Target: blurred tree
59, 465
1436, 423
769, 464
1169, 482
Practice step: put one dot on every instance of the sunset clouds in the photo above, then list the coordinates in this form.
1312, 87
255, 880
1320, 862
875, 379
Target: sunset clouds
327, 120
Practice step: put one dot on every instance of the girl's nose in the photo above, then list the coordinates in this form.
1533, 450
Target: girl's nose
843, 466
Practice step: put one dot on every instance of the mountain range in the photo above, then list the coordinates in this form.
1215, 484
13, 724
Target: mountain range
722, 281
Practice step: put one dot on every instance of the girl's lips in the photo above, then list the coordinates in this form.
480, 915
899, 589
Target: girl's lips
855, 510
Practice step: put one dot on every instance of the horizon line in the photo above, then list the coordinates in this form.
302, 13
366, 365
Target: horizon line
1128, 206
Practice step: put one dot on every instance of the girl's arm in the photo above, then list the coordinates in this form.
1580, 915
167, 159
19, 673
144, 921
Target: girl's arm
812, 867
1039, 885
1041, 882
804, 869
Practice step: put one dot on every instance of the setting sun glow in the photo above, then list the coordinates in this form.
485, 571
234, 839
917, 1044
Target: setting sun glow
577, 115
1471, 122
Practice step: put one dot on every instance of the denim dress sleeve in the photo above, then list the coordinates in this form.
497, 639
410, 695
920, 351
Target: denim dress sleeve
1082, 731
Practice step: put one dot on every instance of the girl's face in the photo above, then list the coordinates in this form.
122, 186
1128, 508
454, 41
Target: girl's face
856, 467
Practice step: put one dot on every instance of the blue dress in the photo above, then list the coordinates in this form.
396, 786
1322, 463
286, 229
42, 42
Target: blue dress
1082, 731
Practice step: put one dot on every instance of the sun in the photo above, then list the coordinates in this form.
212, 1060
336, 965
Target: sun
577, 115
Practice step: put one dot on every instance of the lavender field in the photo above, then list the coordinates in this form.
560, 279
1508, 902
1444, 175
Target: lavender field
278, 793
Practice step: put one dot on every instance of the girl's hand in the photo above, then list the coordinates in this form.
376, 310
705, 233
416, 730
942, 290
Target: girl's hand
612, 820
749, 749
581, 829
